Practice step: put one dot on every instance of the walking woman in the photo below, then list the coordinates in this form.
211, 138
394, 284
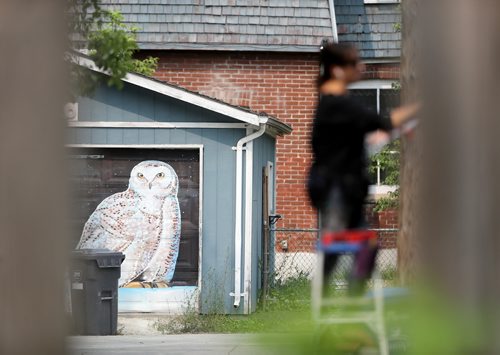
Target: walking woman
338, 183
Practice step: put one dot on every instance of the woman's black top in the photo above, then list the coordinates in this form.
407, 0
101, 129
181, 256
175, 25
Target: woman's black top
339, 155
339, 134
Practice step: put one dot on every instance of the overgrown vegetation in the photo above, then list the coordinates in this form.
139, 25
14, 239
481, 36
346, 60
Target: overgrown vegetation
288, 309
285, 326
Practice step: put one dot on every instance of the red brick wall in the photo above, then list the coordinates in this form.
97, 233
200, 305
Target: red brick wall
280, 84
382, 71
387, 219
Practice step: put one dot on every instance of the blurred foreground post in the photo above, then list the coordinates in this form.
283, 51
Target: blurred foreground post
457, 202
410, 162
32, 178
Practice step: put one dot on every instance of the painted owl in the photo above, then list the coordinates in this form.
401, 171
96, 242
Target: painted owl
142, 222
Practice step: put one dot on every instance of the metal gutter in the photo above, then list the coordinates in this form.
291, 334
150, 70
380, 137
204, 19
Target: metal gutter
230, 47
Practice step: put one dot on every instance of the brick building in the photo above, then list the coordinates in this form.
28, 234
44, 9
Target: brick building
263, 54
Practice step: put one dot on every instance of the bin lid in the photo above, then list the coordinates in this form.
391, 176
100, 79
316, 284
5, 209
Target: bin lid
103, 257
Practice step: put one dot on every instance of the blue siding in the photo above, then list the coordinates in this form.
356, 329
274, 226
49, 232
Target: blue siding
131, 135
83, 136
99, 136
264, 151
115, 136
136, 104
224, 204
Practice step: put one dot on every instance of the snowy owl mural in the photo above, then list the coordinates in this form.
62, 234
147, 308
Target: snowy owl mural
142, 222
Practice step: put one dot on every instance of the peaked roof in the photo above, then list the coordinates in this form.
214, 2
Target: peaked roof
262, 25
268, 25
239, 113
371, 26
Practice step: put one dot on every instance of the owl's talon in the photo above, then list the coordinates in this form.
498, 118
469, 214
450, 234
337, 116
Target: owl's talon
134, 284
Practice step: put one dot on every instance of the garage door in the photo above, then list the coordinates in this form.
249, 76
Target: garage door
98, 173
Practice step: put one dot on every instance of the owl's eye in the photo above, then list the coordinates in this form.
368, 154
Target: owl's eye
140, 175
160, 175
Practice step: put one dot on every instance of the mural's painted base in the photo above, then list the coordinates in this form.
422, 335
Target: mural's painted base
173, 300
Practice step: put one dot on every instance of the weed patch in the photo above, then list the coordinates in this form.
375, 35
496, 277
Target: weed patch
288, 308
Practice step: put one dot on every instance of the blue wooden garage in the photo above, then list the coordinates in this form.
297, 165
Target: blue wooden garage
211, 231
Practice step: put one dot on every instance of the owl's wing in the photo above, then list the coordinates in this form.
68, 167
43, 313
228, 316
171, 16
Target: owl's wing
111, 225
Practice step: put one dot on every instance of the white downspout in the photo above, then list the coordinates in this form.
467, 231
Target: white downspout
238, 208
247, 262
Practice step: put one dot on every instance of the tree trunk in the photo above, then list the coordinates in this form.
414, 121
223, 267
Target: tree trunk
31, 177
456, 198
407, 239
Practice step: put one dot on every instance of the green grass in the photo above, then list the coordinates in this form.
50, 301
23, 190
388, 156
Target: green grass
287, 307
285, 325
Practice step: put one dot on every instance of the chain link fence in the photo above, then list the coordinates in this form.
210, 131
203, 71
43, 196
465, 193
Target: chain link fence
293, 255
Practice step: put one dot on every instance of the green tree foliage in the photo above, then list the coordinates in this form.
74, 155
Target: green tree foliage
110, 43
388, 160
112, 48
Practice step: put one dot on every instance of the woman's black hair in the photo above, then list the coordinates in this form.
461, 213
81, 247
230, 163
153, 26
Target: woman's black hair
340, 54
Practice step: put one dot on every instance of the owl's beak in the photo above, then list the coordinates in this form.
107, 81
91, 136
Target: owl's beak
150, 184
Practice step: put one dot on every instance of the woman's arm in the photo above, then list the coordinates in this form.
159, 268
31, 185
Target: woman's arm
402, 114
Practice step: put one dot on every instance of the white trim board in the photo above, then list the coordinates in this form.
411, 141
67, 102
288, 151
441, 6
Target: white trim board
381, 189
138, 146
135, 124
382, 1
373, 84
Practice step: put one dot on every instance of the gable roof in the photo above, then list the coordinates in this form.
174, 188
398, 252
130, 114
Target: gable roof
239, 113
267, 25
370, 27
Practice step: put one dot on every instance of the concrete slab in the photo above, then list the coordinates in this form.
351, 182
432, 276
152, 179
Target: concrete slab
141, 323
212, 344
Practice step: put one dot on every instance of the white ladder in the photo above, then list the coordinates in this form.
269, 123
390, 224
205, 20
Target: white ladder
374, 317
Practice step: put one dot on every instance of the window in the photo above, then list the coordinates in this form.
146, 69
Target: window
377, 96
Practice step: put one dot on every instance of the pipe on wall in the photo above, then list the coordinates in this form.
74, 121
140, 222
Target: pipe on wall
237, 294
247, 271
333, 18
